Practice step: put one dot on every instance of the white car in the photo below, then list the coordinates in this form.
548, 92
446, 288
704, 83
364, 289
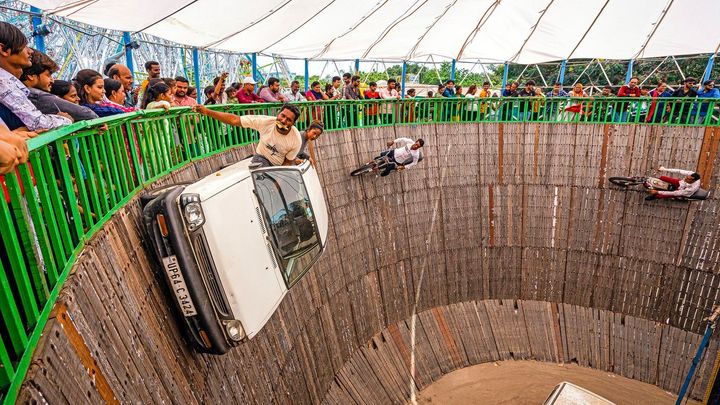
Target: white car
567, 393
233, 243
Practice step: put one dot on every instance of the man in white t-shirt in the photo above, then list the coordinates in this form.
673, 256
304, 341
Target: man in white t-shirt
404, 155
279, 141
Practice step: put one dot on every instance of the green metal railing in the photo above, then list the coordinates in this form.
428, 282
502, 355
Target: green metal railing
80, 175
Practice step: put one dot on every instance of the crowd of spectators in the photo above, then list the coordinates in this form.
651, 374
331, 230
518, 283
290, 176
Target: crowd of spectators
32, 102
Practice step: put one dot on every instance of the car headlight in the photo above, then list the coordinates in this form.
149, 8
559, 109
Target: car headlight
235, 330
192, 211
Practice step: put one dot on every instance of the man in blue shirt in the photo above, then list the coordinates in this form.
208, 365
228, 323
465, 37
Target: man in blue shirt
712, 95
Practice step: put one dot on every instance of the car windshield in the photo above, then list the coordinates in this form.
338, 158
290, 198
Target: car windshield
293, 229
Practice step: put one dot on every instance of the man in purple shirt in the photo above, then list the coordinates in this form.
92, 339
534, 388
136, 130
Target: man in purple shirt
246, 94
271, 92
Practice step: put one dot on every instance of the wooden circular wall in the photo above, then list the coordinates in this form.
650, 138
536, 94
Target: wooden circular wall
505, 242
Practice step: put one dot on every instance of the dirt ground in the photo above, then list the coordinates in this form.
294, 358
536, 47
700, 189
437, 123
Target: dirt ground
530, 382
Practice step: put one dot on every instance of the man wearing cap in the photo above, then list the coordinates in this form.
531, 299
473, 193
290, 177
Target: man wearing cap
682, 188
246, 94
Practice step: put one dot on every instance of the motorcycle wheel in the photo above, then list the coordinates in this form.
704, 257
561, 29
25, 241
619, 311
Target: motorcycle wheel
625, 181
366, 168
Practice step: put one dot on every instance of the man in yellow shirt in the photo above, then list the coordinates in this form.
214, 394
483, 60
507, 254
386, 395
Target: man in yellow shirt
279, 141
484, 93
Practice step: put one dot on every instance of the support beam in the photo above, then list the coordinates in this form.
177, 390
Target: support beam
709, 329
709, 68
129, 54
505, 75
37, 25
196, 72
452, 70
402, 80
629, 74
307, 75
357, 67
563, 67
253, 61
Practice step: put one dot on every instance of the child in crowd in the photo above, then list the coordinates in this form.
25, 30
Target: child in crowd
159, 96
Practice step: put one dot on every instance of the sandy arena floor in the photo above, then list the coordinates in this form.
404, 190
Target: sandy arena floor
508, 383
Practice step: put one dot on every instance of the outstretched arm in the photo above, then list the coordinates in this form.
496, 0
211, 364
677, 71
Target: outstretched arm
678, 171
227, 118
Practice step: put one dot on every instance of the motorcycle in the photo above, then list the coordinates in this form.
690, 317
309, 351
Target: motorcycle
653, 183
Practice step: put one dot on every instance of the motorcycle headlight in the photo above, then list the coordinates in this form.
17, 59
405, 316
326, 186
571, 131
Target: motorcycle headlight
192, 211
235, 330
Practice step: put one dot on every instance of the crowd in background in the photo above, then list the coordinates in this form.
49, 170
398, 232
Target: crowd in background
31, 101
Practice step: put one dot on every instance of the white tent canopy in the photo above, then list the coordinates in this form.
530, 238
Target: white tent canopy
519, 31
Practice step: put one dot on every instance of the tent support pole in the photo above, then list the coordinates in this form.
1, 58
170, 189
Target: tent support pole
563, 66
36, 24
307, 75
357, 67
253, 61
505, 76
402, 82
196, 72
452, 70
709, 68
129, 54
629, 74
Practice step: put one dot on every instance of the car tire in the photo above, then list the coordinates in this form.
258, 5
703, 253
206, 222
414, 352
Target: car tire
149, 195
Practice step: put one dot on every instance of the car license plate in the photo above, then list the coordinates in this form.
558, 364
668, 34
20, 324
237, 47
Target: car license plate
177, 283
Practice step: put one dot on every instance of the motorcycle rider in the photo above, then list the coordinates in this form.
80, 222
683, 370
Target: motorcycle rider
683, 188
406, 149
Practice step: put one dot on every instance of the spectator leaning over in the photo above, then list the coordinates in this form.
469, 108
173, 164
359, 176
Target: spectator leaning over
247, 95
182, 97
629, 90
294, 94
14, 102
271, 92
313, 131
711, 94
337, 91
115, 95
122, 74
38, 79
192, 93
92, 92
681, 110
387, 110
279, 141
